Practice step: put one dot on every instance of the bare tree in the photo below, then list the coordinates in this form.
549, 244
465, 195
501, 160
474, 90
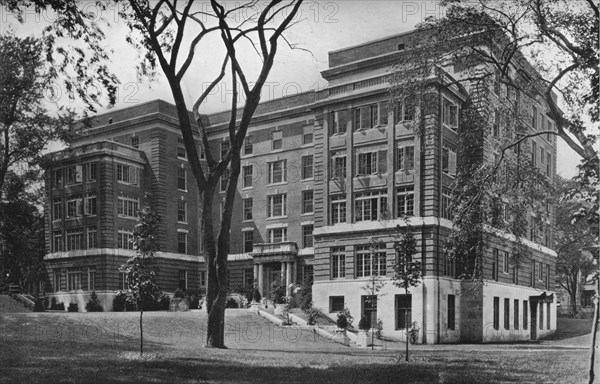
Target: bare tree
159, 31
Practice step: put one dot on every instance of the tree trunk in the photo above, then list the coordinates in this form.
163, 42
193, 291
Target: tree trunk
594, 332
141, 328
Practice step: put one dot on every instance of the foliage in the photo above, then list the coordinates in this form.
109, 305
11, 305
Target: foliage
571, 236
39, 305
120, 301
364, 323
344, 319
256, 296
305, 294
287, 310
278, 291
232, 303
379, 329
314, 314
246, 291
94, 305
179, 294
73, 307
407, 270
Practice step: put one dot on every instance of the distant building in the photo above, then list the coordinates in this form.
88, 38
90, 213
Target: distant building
323, 174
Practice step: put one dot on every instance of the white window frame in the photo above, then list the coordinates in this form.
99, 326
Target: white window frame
338, 204
271, 204
338, 262
278, 167
363, 204
271, 232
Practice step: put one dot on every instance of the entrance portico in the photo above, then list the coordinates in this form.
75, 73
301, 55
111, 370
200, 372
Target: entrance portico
272, 261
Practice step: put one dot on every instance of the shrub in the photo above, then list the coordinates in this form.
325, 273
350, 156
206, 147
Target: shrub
179, 294
379, 328
278, 291
165, 301
39, 305
305, 297
94, 305
246, 291
193, 298
231, 303
364, 323
287, 309
314, 314
73, 307
120, 301
46, 302
53, 303
256, 297
344, 319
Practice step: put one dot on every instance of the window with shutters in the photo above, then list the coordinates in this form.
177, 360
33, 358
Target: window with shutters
405, 159
370, 206
338, 121
372, 115
338, 164
370, 163
449, 114
449, 160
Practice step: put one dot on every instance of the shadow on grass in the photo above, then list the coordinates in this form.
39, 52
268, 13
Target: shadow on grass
567, 328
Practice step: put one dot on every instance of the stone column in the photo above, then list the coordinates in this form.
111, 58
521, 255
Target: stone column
283, 265
260, 280
288, 279
255, 275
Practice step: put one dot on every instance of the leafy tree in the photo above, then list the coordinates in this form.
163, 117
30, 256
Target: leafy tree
138, 269
157, 31
407, 269
570, 237
376, 284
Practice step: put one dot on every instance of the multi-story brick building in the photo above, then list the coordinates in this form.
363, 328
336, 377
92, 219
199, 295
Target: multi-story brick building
343, 163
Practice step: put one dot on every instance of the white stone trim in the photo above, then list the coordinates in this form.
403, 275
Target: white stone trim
239, 257
120, 252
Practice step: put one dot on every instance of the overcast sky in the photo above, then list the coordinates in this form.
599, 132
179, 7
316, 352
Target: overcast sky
325, 26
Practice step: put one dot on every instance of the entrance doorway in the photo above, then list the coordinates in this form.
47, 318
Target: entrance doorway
369, 309
533, 331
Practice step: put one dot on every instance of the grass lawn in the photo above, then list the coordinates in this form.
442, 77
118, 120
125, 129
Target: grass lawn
103, 348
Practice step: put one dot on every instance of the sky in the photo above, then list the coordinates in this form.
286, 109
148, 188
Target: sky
323, 26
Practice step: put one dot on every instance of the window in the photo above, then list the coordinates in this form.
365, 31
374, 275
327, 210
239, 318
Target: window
278, 171
370, 116
276, 205
525, 313
496, 313
73, 280
74, 208
587, 299
446, 204
276, 140
548, 276
248, 277
505, 262
277, 235
91, 278
183, 279
405, 159
123, 281
370, 163
403, 305
128, 206
369, 308
182, 211
534, 115
224, 180
403, 111
307, 201
127, 174
506, 313
74, 239
58, 241
516, 314
307, 236
182, 242
307, 135
405, 197
548, 317
125, 238
549, 165
532, 274
338, 262
181, 179
90, 205
58, 178
91, 171
307, 167
248, 145
540, 271
449, 160
134, 141
337, 122
338, 209
370, 206
338, 164
74, 174
515, 275
57, 209
449, 114
542, 155
92, 237
247, 206
370, 262
248, 241
495, 263
57, 280
203, 278
451, 312
181, 148
224, 148
549, 128
336, 304
534, 152
247, 176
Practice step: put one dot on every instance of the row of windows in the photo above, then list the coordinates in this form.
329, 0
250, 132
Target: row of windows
74, 279
76, 206
369, 116
516, 318
75, 174
277, 172
539, 271
402, 309
278, 235
367, 261
277, 205
276, 141
73, 239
